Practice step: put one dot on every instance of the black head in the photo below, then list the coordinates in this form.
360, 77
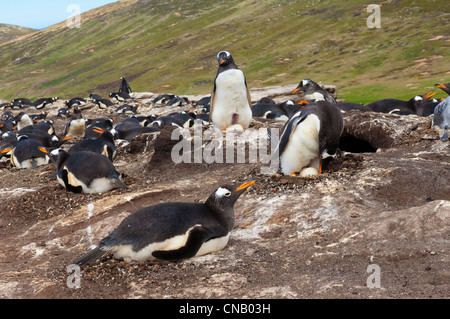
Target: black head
224, 58
58, 156
307, 85
224, 197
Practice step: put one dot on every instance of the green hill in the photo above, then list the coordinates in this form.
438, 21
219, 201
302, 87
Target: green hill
10, 32
171, 46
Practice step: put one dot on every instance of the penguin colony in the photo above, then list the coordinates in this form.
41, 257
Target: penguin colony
313, 125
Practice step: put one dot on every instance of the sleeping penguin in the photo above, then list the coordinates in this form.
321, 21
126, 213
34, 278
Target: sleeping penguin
28, 153
102, 144
172, 231
308, 137
230, 99
86, 172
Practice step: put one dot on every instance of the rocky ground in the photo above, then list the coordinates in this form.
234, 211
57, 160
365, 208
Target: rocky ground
384, 202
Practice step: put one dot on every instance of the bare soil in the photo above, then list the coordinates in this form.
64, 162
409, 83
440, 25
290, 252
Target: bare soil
294, 238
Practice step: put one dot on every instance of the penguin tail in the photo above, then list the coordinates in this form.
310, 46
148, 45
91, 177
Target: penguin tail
89, 257
119, 183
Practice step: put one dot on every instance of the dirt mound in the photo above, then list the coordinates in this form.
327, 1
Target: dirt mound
384, 201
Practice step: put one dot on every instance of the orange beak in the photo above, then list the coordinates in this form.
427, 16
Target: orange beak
66, 138
98, 130
43, 150
303, 102
296, 90
441, 86
429, 94
6, 150
246, 184
222, 62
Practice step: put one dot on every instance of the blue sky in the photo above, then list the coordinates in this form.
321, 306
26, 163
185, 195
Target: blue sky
39, 14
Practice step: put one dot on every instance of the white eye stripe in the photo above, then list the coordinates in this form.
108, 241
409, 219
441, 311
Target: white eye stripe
223, 192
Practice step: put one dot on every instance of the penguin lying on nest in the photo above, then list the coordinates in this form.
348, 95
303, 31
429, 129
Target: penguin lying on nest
172, 231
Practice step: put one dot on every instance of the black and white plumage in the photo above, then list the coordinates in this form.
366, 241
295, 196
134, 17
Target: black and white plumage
22, 120
313, 91
101, 144
28, 153
104, 103
124, 86
401, 107
441, 118
230, 105
172, 231
119, 96
444, 87
75, 127
86, 172
309, 136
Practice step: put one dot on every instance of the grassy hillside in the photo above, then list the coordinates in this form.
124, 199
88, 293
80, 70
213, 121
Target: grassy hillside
163, 46
10, 32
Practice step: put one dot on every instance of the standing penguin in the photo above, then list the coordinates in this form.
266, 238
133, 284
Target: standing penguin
441, 118
172, 231
230, 98
124, 86
308, 137
86, 172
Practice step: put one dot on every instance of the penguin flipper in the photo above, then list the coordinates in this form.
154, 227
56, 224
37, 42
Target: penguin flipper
197, 236
90, 257
289, 127
211, 103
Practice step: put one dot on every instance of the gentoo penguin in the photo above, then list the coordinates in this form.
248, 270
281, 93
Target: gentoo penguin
86, 172
178, 101
273, 110
172, 231
165, 120
444, 87
6, 116
313, 91
204, 101
348, 106
28, 153
127, 109
185, 119
21, 103
7, 143
441, 119
102, 144
129, 128
43, 137
75, 128
401, 107
119, 96
104, 103
39, 117
64, 112
93, 97
230, 98
5, 106
75, 101
124, 86
22, 120
310, 135
93, 126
